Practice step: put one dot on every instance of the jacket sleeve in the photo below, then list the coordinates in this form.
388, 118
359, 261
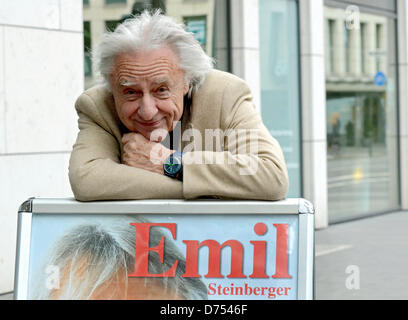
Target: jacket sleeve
251, 164
95, 169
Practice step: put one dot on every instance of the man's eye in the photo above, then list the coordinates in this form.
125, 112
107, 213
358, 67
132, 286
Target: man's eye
162, 91
130, 92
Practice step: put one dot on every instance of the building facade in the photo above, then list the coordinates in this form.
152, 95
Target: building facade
329, 78
362, 111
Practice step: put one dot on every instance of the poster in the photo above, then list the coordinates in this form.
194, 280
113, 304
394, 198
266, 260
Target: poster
162, 257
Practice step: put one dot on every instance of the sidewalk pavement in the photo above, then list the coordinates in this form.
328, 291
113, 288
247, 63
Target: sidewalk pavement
375, 249
370, 256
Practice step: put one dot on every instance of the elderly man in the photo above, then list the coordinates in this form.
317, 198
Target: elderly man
158, 81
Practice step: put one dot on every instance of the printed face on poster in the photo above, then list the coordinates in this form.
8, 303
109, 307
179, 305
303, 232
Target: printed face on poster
229, 257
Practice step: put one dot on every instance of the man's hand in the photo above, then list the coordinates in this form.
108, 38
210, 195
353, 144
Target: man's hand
141, 153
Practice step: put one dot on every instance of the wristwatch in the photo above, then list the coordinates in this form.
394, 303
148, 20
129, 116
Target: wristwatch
173, 166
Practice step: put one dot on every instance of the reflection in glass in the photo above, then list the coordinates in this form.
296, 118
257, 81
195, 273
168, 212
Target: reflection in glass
347, 46
361, 117
87, 49
198, 26
112, 24
279, 54
363, 28
115, 1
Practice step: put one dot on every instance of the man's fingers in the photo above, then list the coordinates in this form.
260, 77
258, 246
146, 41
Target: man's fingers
126, 137
158, 135
132, 136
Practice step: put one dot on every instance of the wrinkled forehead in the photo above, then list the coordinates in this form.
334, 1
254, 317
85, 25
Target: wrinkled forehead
159, 65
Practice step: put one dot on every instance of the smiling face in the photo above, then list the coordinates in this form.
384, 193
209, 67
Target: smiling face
148, 88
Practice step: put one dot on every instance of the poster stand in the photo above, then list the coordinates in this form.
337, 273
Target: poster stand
271, 244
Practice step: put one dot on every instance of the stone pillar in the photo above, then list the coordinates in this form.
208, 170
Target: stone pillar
355, 52
371, 48
402, 68
41, 75
339, 48
245, 44
314, 107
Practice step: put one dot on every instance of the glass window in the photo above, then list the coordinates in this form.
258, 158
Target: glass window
87, 49
111, 25
362, 143
207, 19
379, 44
280, 99
331, 45
115, 1
197, 26
347, 47
363, 51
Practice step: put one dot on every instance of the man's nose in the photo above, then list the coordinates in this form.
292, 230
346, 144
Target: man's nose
147, 109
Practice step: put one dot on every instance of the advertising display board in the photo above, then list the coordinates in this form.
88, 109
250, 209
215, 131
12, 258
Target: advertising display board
165, 249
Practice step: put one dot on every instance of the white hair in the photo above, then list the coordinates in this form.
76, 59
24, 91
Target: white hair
90, 255
149, 31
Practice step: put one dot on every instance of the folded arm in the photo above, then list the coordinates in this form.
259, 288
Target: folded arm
251, 164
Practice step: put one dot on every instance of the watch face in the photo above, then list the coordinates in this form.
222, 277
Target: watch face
172, 165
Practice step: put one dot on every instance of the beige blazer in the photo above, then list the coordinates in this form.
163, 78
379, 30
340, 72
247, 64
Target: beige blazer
240, 167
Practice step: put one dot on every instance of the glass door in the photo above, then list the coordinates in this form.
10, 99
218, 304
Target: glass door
362, 126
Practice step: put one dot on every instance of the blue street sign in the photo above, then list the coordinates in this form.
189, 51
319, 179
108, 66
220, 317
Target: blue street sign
380, 79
